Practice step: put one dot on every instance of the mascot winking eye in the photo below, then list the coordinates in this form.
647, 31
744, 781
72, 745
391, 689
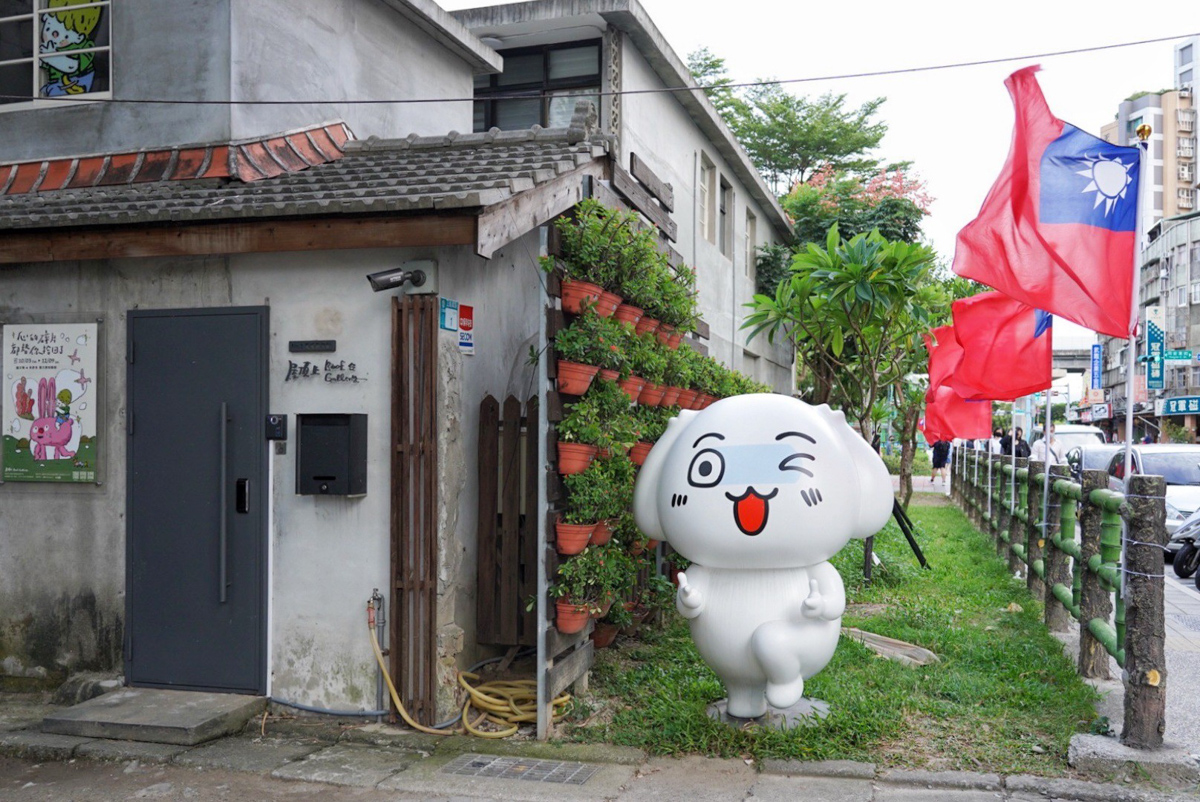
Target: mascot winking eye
758, 492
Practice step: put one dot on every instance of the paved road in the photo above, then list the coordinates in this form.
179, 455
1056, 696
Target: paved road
693, 779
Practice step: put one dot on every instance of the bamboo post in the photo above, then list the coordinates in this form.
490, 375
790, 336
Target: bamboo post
1016, 532
1145, 628
1058, 568
1003, 512
1035, 538
1095, 601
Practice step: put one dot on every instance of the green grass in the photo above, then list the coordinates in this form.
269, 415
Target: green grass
1004, 697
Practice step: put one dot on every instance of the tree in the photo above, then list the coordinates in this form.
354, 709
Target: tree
855, 310
888, 201
787, 137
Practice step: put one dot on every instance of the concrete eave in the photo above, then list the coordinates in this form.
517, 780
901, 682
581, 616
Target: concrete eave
630, 18
450, 33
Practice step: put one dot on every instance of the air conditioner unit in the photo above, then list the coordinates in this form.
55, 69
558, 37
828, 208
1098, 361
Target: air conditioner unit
1185, 91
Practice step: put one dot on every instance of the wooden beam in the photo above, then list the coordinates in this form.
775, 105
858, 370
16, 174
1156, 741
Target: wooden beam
702, 330
569, 669
657, 187
623, 182
243, 236
504, 222
557, 643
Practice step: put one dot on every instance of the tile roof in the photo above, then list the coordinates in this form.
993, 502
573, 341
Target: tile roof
456, 171
248, 160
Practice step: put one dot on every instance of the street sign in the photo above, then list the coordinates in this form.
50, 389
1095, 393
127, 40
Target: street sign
1177, 356
1097, 365
1155, 345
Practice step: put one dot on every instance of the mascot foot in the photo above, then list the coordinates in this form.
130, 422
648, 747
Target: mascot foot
784, 695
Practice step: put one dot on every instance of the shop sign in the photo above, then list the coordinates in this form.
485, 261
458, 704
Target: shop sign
1183, 405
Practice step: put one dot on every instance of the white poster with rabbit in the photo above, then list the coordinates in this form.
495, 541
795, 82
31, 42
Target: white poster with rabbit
49, 402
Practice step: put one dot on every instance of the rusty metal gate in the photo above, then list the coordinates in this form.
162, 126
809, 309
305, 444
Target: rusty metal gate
414, 503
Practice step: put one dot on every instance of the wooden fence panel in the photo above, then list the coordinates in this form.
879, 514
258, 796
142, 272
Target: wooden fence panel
414, 503
506, 536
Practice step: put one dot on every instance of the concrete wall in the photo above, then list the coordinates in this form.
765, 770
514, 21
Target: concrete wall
326, 50
342, 49
658, 129
161, 49
62, 547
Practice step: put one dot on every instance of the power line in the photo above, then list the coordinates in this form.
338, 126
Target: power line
626, 92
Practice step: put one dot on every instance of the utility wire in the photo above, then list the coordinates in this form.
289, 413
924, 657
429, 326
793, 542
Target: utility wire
654, 91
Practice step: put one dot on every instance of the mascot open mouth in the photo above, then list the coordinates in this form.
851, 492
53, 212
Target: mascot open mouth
750, 510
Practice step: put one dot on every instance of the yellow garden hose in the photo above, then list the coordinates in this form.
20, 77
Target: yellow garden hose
506, 703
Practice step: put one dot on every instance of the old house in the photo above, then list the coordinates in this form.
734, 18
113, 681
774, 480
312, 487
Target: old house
218, 440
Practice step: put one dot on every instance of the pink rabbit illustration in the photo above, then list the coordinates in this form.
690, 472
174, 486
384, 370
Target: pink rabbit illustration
46, 431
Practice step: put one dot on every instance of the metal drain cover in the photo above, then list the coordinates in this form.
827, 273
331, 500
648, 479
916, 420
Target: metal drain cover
1191, 622
517, 768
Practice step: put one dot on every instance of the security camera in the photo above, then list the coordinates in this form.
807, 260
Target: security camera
395, 278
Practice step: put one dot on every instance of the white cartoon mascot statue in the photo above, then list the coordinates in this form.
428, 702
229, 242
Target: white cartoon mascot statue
758, 492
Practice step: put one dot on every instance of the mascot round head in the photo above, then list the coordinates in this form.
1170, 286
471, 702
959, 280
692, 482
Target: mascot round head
761, 482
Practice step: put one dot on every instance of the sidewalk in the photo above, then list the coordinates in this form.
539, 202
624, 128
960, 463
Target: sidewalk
377, 763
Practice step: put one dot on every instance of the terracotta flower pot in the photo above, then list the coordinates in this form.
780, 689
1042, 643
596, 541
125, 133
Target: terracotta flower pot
651, 544
651, 395
602, 533
686, 398
574, 378
628, 313
608, 375
575, 294
698, 401
571, 538
605, 606
664, 333
707, 400
608, 303
646, 324
574, 457
570, 618
637, 547
604, 635
639, 452
674, 340
670, 397
673, 574
633, 387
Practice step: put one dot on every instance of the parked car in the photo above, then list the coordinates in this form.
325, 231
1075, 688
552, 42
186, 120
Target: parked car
1071, 435
1179, 465
1090, 457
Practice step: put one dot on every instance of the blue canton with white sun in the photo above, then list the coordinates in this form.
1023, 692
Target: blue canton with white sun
1088, 181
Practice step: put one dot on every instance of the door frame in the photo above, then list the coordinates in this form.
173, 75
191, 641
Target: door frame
262, 515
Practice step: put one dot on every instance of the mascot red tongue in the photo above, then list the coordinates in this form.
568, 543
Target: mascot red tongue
750, 512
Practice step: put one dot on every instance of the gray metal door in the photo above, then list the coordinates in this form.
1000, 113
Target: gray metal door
196, 546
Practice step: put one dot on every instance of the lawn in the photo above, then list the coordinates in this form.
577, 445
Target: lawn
1004, 697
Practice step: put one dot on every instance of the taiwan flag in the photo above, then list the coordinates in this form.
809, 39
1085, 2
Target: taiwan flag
1057, 230
945, 354
948, 415
1006, 348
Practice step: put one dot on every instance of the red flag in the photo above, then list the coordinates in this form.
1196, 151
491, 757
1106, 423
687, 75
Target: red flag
1057, 229
944, 354
1006, 348
951, 416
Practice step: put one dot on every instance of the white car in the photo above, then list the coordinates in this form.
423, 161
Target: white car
1179, 465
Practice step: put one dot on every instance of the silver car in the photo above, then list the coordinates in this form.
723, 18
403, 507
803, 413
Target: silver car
1179, 465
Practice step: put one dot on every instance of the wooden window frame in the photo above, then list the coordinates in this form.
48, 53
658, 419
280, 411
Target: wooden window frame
544, 88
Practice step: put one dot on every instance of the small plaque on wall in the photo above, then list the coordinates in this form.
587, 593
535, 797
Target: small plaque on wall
312, 346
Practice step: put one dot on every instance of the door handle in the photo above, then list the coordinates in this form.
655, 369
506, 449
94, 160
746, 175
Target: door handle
222, 543
242, 501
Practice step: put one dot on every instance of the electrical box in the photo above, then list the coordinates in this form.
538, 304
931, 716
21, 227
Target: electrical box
331, 455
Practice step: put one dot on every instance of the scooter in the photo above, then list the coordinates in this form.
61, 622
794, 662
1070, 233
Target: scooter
1187, 558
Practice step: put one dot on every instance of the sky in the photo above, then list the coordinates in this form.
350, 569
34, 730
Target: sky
955, 124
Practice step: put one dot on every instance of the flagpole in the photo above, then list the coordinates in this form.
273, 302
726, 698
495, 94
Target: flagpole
1143, 134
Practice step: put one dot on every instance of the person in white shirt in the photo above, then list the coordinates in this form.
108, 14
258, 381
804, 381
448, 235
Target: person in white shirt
1054, 454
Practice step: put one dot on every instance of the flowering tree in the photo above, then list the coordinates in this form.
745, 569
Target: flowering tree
890, 201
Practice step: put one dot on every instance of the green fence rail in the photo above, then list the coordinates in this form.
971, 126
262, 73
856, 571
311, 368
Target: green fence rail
1066, 539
